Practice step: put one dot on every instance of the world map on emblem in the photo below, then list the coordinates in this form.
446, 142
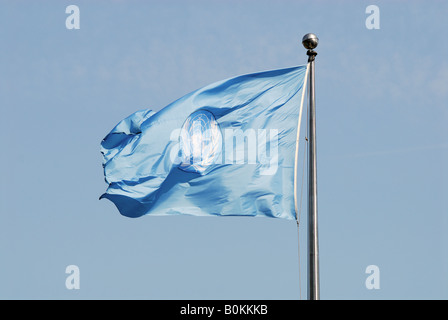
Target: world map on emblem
200, 142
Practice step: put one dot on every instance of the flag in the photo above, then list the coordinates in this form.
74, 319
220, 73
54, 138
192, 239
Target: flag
226, 149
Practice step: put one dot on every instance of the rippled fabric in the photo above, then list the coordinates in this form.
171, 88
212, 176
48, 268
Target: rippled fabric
142, 156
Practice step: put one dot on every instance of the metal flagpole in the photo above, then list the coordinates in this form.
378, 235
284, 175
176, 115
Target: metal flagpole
310, 42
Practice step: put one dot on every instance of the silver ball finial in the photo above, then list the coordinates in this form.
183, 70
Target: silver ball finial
310, 41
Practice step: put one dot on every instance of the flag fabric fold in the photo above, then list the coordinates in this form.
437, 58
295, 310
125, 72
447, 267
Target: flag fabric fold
226, 149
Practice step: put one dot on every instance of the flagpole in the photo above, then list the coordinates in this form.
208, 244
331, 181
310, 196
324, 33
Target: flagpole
310, 42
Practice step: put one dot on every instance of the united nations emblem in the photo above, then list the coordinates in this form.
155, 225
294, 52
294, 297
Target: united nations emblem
200, 142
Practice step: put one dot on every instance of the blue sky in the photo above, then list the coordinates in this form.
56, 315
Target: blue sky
382, 148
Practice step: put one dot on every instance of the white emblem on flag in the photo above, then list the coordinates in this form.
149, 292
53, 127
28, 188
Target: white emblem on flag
200, 142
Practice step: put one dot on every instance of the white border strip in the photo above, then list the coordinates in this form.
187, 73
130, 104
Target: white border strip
296, 208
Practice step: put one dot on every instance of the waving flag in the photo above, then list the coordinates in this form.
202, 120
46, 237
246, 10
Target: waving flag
226, 149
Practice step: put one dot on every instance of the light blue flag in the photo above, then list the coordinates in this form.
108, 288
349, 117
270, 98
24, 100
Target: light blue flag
226, 149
